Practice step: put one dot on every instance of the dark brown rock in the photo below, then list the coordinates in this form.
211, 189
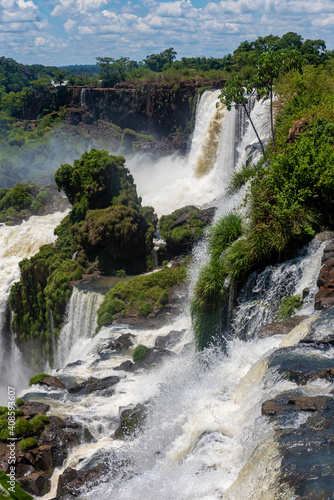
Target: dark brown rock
325, 296
169, 340
32, 408
54, 382
125, 341
297, 128
328, 253
126, 366
281, 404
280, 327
37, 484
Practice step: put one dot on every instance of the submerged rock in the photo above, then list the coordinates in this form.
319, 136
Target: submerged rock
170, 340
93, 384
287, 403
280, 327
131, 421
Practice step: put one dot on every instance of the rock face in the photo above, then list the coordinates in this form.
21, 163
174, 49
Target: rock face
297, 128
325, 295
280, 327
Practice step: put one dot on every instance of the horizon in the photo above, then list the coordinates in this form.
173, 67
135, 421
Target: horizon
69, 32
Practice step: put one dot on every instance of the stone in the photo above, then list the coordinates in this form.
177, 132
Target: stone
297, 128
123, 342
324, 298
328, 253
37, 484
169, 340
131, 421
92, 384
280, 327
126, 366
155, 356
32, 408
54, 382
283, 404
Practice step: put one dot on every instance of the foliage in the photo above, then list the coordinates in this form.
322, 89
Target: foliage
38, 378
182, 228
19, 402
28, 444
242, 176
140, 294
210, 289
139, 353
288, 306
18, 493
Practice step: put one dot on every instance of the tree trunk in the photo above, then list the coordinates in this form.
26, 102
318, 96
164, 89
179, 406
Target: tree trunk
257, 135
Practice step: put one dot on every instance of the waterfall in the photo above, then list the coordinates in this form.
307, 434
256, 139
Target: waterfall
17, 243
217, 149
80, 325
83, 97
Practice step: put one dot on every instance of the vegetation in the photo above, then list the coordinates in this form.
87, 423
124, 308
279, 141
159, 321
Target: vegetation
28, 444
107, 228
139, 353
182, 228
288, 200
18, 493
23, 427
38, 378
140, 295
288, 306
23, 200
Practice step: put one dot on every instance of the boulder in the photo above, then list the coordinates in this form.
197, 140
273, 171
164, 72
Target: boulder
155, 356
71, 481
54, 382
325, 296
170, 340
131, 421
297, 128
123, 342
126, 366
92, 385
328, 253
280, 327
32, 408
284, 404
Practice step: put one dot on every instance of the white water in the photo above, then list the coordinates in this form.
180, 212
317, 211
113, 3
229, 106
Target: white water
217, 148
17, 243
80, 325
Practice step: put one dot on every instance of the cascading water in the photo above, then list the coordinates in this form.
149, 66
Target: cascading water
80, 325
217, 148
17, 243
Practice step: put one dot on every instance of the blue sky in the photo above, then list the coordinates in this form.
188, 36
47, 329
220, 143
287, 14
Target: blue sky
60, 32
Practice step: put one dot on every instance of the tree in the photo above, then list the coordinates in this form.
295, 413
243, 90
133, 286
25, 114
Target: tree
270, 66
157, 62
239, 91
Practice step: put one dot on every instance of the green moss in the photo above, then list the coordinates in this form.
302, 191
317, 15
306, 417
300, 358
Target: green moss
19, 402
147, 289
139, 353
39, 377
28, 444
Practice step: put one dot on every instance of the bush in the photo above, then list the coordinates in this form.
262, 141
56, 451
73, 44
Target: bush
28, 444
19, 402
144, 308
139, 353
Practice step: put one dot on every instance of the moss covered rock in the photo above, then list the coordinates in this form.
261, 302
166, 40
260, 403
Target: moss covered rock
184, 227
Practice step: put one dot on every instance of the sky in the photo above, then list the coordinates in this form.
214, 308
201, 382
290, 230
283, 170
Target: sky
63, 32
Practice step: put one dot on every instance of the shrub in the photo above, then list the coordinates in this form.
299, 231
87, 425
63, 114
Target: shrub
19, 402
139, 353
28, 444
144, 308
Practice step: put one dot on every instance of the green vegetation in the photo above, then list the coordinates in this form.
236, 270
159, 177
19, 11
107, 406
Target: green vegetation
140, 294
5, 493
288, 200
19, 402
107, 228
241, 177
139, 353
210, 290
22, 427
28, 444
288, 306
182, 228
23, 200
38, 378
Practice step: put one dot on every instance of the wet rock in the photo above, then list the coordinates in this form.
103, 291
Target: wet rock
283, 404
169, 340
155, 356
280, 327
32, 408
131, 421
62, 436
123, 342
126, 366
54, 382
92, 385
71, 481
328, 253
34, 468
37, 484
324, 298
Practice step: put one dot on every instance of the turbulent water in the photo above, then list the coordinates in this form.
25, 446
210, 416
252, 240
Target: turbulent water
204, 437
17, 243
